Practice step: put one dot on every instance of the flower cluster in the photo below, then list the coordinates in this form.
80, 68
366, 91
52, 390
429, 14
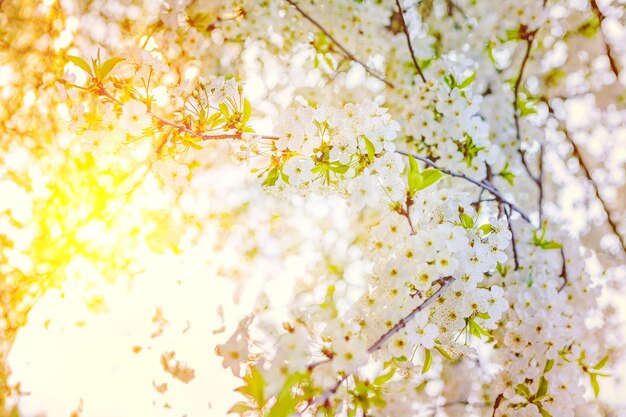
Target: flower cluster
348, 150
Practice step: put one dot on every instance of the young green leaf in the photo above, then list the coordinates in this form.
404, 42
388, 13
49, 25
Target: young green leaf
247, 110
272, 177
239, 408
256, 385
107, 67
429, 177
444, 353
286, 401
428, 361
544, 413
542, 389
382, 379
371, 150
467, 221
81, 63
467, 81
522, 390
594, 384
224, 109
486, 228
601, 363
549, 365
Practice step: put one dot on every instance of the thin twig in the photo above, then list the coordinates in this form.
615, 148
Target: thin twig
405, 29
496, 404
347, 53
443, 284
529, 37
540, 184
507, 213
607, 45
596, 189
452, 6
486, 186
453, 403
563, 271
405, 211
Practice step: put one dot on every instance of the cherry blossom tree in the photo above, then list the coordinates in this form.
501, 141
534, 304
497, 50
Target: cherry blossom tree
464, 162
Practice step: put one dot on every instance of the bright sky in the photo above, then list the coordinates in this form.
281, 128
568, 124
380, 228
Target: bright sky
68, 352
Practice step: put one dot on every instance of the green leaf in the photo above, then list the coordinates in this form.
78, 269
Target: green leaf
107, 67
589, 28
239, 408
522, 390
467, 81
525, 107
507, 175
272, 177
512, 34
339, 168
594, 384
540, 240
224, 109
371, 150
502, 269
428, 361
486, 228
544, 413
247, 110
542, 389
429, 177
466, 221
414, 175
549, 365
81, 63
256, 385
192, 144
382, 379
602, 363
478, 331
286, 401
378, 401
444, 353
551, 245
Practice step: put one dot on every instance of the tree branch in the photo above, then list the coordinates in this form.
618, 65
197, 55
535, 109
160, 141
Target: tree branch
612, 222
529, 37
609, 52
180, 127
453, 403
486, 186
540, 184
443, 283
347, 53
507, 213
405, 29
